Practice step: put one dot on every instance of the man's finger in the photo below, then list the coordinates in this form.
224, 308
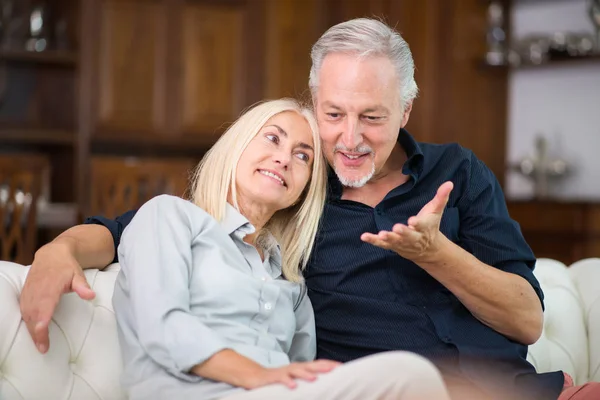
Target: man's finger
373, 240
41, 320
441, 197
439, 201
40, 336
82, 288
406, 234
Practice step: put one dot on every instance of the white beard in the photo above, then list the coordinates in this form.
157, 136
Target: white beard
355, 183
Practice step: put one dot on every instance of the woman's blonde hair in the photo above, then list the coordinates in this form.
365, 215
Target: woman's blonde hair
295, 227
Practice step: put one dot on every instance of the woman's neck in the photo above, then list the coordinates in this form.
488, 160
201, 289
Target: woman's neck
258, 215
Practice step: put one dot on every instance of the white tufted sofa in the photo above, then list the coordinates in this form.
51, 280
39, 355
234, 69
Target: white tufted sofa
84, 363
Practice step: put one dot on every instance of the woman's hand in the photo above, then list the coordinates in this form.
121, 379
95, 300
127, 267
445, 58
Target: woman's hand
287, 375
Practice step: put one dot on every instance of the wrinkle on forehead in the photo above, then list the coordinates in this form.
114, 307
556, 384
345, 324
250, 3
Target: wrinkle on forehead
360, 82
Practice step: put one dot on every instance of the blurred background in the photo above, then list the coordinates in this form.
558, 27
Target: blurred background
107, 103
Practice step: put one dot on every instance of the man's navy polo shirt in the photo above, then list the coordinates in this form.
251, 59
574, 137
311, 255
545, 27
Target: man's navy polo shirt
368, 299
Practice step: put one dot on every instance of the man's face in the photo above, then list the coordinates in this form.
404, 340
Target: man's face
359, 114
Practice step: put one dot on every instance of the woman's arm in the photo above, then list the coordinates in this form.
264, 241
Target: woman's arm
304, 343
237, 370
155, 255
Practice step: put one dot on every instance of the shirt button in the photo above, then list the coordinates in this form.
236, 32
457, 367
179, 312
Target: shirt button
264, 278
268, 306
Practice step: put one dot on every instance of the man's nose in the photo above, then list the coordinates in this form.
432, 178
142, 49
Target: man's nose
351, 137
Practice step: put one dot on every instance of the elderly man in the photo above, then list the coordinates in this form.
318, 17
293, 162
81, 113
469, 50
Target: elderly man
416, 250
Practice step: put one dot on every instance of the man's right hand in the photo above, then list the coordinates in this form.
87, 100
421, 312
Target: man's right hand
54, 271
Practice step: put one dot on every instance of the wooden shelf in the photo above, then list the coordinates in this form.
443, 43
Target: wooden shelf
115, 143
49, 57
552, 61
37, 136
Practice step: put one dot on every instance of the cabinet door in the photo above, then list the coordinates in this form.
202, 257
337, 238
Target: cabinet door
293, 26
130, 68
211, 90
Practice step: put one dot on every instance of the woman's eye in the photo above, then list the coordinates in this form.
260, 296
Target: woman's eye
273, 138
303, 156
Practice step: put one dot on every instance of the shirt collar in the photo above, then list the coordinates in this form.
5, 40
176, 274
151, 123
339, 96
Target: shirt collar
413, 165
234, 220
235, 223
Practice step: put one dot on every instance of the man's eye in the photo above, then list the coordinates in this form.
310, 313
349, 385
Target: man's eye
372, 118
273, 138
333, 115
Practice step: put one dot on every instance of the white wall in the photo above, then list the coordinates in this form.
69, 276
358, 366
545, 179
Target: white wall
561, 101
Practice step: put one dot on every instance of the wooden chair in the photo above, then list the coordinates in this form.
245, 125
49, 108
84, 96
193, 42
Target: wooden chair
119, 184
21, 180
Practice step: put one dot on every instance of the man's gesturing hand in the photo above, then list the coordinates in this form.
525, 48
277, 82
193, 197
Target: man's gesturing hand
54, 271
420, 239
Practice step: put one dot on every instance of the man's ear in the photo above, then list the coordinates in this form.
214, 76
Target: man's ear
406, 115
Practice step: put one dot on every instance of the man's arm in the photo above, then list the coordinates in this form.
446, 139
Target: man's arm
57, 268
491, 272
504, 301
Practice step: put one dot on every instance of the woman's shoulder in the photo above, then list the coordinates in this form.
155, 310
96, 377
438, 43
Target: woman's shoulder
171, 207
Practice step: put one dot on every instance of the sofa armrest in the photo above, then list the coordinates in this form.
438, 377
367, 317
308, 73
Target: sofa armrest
586, 276
84, 359
563, 344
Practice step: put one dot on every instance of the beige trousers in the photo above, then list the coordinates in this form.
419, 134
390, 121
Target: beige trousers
394, 375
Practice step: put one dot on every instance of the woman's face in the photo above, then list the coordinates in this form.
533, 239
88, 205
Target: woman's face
276, 165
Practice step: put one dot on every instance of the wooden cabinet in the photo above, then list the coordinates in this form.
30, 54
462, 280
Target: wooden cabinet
292, 28
213, 67
129, 68
158, 79
170, 70
565, 231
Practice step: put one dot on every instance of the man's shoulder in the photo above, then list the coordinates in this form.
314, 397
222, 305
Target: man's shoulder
447, 156
453, 150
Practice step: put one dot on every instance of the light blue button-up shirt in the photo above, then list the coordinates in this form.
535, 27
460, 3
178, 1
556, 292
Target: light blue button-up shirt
189, 286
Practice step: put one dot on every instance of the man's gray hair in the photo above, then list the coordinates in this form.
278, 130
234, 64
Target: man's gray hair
367, 37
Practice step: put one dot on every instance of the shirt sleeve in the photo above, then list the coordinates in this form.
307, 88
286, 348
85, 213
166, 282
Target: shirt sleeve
304, 343
115, 226
156, 259
488, 232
